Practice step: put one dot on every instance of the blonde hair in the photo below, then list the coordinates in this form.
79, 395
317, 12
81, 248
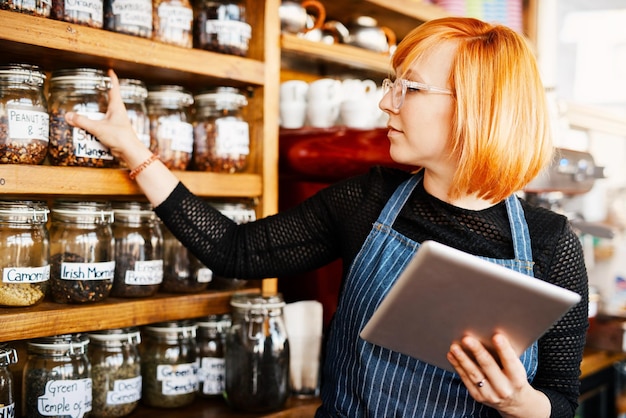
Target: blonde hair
501, 136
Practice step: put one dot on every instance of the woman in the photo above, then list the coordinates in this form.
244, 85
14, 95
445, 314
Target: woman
467, 106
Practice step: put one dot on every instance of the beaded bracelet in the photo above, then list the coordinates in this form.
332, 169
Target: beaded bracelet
135, 171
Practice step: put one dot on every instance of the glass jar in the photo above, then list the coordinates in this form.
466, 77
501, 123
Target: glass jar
85, 91
132, 17
170, 125
24, 121
8, 356
82, 256
169, 364
257, 354
211, 340
31, 7
221, 135
134, 94
86, 13
115, 371
24, 252
57, 377
220, 26
138, 250
172, 22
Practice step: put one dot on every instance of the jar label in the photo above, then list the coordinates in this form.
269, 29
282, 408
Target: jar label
232, 138
175, 18
133, 13
19, 275
87, 145
148, 272
7, 411
230, 32
180, 134
65, 398
91, 8
124, 391
178, 379
28, 124
88, 271
205, 275
211, 374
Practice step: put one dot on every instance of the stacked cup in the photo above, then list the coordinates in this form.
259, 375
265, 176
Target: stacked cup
323, 101
293, 103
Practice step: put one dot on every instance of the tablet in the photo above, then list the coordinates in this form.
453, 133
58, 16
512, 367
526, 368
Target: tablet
444, 294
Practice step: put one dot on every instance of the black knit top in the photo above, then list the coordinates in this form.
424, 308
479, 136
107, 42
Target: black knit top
335, 222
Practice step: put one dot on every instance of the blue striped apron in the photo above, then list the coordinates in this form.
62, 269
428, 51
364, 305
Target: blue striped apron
365, 380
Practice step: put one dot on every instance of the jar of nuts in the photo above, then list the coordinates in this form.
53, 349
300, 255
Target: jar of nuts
172, 22
24, 122
132, 17
86, 13
85, 91
134, 94
25, 249
220, 26
170, 124
221, 135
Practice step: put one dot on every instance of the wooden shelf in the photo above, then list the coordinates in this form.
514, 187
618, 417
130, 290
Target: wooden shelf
49, 318
29, 180
54, 44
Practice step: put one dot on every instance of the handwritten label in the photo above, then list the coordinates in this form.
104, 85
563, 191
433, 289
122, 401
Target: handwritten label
88, 271
148, 272
211, 374
125, 391
180, 134
232, 138
205, 275
25, 275
7, 411
86, 145
178, 379
28, 124
65, 397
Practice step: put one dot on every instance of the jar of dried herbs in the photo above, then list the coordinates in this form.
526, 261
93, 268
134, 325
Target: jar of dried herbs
56, 378
85, 91
25, 249
134, 94
87, 13
220, 26
221, 135
31, 7
172, 22
82, 251
170, 124
132, 17
24, 121
211, 341
115, 371
138, 250
169, 364
8, 356
257, 354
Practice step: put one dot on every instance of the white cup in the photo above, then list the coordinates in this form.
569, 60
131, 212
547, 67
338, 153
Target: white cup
292, 114
293, 91
358, 114
353, 89
325, 89
322, 113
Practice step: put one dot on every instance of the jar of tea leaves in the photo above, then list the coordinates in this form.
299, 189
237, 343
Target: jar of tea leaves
57, 377
8, 356
115, 371
220, 26
211, 340
138, 250
132, 17
169, 364
257, 354
24, 121
85, 91
82, 257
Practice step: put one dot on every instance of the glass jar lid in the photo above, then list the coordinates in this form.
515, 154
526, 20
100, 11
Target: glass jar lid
8, 355
133, 211
222, 98
30, 75
64, 344
257, 301
169, 96
175, 329
218, 322
24, 211
82, 212
87, 78
133, 90
116, 337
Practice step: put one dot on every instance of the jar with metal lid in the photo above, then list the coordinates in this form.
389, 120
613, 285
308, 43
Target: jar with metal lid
132, 17
56, 379
25, 249
31, 7
115, 371
169, 364
138, 250
82, 251
221, 135
172, 22
24, 121
134, 94
170, 124
86, 13
8, 356
220, 26
84, 91
257, 354
211, 340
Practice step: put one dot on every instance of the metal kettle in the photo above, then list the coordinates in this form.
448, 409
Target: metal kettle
295, 18
364, 32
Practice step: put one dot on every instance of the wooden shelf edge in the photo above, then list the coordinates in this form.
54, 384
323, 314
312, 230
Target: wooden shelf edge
80, 43
49, 318
47, 180
347, 55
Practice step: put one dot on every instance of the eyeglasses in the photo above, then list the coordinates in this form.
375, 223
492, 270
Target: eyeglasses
400, 86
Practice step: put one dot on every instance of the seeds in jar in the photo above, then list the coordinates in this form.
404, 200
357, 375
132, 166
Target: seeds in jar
20, 295
221, 146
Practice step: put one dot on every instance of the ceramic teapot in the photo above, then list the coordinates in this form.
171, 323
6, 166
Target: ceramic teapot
364, 32
295, 17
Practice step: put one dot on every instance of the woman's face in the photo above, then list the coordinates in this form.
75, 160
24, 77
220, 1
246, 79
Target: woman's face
419, 130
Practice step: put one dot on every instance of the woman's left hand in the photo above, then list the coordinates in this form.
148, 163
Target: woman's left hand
501, 382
